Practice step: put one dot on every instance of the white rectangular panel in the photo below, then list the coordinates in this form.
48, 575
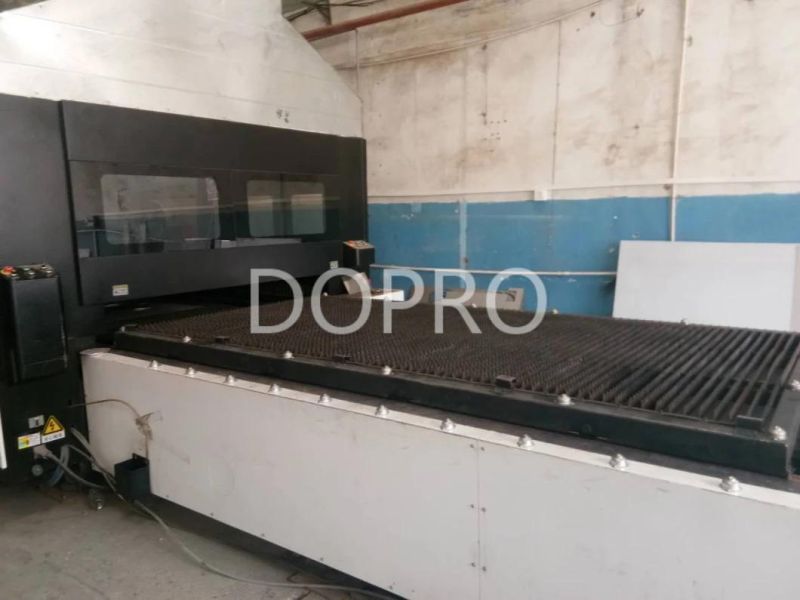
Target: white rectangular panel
389, 503
561, 529
468, 511
737, 285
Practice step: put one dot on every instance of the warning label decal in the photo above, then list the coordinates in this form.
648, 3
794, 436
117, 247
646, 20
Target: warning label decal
53, 430
29, 441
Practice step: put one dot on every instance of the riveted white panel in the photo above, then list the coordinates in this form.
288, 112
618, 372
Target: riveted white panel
561, 529
465, 513
387, 502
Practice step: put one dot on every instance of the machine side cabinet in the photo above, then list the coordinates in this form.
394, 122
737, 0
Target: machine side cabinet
33, 341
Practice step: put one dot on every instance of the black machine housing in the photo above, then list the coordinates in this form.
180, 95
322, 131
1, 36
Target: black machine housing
141, 213
32, 343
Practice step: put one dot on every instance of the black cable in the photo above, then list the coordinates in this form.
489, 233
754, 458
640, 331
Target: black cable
277, 584
46, 453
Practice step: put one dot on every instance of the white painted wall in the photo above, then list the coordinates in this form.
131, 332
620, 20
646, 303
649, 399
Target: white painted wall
491, 96
237, 60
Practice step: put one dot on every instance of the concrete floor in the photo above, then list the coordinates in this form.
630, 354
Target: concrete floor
53, 546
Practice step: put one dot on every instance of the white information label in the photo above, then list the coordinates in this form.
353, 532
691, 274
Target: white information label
29, 441
52, 437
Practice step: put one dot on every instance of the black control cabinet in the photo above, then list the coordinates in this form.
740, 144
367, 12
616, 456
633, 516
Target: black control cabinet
38, 379
32, 343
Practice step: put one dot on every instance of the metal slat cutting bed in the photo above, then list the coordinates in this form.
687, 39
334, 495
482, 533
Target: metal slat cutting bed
713, 394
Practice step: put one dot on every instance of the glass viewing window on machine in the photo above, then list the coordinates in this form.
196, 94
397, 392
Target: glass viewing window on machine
122, 214
150, 213
284, 207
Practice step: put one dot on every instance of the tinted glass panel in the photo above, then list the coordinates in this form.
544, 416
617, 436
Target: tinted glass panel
286, 207
151, 213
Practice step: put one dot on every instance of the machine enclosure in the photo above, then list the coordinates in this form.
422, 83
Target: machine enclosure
47, 148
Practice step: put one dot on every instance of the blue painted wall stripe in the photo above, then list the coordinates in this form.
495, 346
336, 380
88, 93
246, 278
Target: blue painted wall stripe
561, 235
567, 235
756, 218
422, 235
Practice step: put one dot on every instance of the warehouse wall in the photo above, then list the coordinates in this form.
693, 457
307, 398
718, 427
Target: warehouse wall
237, 60
540, 133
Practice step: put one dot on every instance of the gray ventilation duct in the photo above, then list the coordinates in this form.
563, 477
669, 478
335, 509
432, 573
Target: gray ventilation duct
237, 60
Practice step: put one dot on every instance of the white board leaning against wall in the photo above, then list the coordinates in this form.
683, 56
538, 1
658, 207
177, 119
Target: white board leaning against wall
737, 285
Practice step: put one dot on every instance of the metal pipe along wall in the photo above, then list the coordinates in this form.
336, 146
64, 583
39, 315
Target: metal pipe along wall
388, 15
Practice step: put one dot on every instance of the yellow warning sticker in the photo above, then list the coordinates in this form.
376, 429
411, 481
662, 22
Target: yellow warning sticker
30, 440
53, 430
53, 426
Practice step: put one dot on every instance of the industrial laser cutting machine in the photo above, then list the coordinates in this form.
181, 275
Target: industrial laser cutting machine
591, 457
111, 215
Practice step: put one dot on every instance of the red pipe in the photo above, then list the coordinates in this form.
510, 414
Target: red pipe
387, 15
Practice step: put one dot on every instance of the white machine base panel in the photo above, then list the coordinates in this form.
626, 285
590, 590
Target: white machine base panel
425, 511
